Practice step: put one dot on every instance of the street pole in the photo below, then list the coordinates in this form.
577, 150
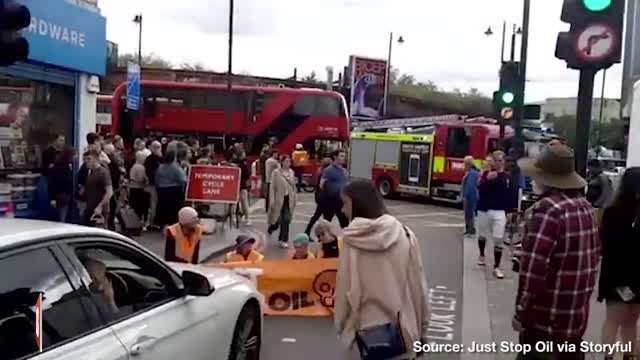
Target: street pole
604, 79
387, 77
583, 119
504, 39
228, 118
140, 42
523, 75
513, 43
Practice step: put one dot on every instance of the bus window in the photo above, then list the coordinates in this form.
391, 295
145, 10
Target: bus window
458, 142
315, 105
321, 148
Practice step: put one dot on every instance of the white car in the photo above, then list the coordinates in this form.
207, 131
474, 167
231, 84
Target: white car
106, 297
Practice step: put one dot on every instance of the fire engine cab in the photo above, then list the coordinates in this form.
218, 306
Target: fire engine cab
425, 158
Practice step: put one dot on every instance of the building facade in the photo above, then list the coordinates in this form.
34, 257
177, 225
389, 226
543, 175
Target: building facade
53, 93
568, 106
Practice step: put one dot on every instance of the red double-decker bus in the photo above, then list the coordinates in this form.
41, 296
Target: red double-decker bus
315, 118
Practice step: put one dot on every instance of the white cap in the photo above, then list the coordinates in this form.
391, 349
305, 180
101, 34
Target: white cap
299, 147
188, 216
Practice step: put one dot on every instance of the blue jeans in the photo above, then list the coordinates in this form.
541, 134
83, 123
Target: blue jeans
470, 217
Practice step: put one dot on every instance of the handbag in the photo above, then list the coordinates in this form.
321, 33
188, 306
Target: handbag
380, 342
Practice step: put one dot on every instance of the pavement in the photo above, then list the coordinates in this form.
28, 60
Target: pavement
439, 230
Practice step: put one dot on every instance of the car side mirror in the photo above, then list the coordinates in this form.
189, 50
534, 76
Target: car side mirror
196, 284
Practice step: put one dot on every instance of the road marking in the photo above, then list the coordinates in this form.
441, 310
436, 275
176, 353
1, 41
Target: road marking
443, 314
449, 214
288, 340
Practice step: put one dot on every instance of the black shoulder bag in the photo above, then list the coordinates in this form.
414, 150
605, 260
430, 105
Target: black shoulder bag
381, 342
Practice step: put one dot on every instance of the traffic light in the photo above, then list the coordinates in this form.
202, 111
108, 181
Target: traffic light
506, 99
13, 18
595, 37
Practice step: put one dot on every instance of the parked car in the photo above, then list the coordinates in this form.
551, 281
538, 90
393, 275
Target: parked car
103, 296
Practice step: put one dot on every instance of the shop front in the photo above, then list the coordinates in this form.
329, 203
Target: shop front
46, 101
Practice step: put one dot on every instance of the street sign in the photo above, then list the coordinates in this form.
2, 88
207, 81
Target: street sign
506, 113
133, 86
595, 42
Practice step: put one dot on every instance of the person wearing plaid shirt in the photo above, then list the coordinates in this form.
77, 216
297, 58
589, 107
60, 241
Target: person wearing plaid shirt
559, 258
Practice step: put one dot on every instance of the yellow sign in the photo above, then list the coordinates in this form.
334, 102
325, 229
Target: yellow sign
506, 113
295, 287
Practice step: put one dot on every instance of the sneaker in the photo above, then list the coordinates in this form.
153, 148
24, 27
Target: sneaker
498, 273
481, 261
283, 245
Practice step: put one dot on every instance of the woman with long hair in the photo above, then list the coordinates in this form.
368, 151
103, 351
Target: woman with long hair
619, 285
381, 284
282, 200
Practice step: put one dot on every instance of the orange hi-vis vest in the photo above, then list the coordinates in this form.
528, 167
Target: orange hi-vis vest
185, 246
292, 253
300, 158
321, 253
233, 256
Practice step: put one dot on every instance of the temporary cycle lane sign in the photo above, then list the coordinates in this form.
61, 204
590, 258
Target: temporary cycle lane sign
133, 86
213, 184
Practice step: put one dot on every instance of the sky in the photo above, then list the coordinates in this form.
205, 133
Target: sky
444, 39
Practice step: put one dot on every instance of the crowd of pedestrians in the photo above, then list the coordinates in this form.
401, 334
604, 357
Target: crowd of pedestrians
565, 245
149, 180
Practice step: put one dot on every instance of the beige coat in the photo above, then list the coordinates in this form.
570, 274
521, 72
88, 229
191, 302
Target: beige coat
278, 186
380, 273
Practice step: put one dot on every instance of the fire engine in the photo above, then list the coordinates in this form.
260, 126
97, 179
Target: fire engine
425, 158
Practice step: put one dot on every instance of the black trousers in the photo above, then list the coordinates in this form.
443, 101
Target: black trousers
333, 208
170, 201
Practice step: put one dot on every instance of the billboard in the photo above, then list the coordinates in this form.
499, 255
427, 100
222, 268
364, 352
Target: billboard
368, 81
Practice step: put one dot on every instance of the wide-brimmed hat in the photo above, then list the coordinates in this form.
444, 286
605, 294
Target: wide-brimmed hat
553, 167
244, 239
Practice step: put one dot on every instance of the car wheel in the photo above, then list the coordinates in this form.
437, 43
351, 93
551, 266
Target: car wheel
385, 187
246, 335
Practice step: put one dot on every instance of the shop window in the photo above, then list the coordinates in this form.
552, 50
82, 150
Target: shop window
458, 142
32, 115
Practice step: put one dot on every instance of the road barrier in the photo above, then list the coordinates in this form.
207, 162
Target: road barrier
295, 287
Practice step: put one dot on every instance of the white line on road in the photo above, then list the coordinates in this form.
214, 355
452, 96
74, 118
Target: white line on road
448, 213
288, 340
258, 205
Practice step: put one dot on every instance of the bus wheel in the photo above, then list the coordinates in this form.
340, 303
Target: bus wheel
384, 187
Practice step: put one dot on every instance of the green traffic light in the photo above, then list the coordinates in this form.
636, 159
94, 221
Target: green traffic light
508, 97
597, 5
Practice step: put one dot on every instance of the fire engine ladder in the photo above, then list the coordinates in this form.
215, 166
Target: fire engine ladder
414, 122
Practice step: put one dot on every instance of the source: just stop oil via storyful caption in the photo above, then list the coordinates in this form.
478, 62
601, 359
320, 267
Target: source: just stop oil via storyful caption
511, 347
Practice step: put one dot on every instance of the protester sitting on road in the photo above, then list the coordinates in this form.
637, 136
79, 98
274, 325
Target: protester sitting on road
244, 251
328, 241
380, 278
619, 285
301, 248
182, 240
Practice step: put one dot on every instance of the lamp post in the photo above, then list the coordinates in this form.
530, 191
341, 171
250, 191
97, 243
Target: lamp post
227, 115
138, 20
387, 82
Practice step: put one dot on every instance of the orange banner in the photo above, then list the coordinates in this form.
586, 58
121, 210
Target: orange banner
295, 287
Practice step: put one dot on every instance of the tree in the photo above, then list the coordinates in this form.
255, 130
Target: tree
193, 66
608, 134
150, 60
406, 79
311, 78
394, 73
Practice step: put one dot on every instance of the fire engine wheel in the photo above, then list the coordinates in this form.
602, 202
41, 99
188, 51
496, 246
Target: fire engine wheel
384, 187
